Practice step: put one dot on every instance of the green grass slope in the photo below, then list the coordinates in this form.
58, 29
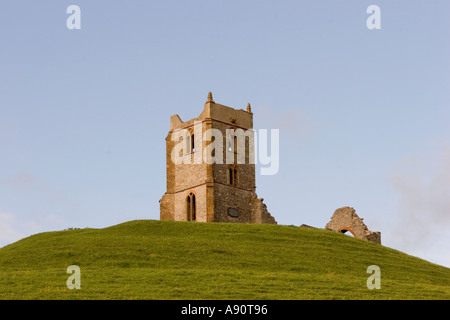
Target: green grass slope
184, 260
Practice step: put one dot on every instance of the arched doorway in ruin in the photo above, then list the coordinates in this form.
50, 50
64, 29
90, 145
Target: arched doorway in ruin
347, 231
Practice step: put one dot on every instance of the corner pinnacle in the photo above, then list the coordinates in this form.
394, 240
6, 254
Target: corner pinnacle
249, 108
210, 98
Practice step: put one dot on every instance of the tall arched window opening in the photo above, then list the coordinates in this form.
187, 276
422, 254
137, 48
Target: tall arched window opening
191, 208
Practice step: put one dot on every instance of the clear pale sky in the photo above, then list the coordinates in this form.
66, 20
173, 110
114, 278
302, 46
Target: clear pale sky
363, 114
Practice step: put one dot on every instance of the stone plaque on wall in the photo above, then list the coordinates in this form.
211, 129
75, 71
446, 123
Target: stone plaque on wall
233, 212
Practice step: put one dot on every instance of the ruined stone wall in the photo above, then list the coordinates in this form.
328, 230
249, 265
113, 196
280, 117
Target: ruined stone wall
167, 207
345, 219
260, 212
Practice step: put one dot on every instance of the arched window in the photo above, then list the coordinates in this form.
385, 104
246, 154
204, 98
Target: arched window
190, 208
188, 144
193, 211
190, 147
232, 176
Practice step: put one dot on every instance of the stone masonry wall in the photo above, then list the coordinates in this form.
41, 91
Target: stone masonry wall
232, 197
345, 219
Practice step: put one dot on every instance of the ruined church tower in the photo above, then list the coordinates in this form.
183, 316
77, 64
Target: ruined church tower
212, 191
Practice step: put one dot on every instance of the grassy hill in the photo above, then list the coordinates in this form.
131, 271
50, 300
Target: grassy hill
184, 260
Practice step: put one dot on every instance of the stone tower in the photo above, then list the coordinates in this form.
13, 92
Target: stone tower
202, 183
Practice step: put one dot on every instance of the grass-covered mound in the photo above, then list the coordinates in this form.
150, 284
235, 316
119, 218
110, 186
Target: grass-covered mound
150, 259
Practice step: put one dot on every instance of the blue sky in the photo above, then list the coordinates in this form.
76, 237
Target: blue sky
363, 114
